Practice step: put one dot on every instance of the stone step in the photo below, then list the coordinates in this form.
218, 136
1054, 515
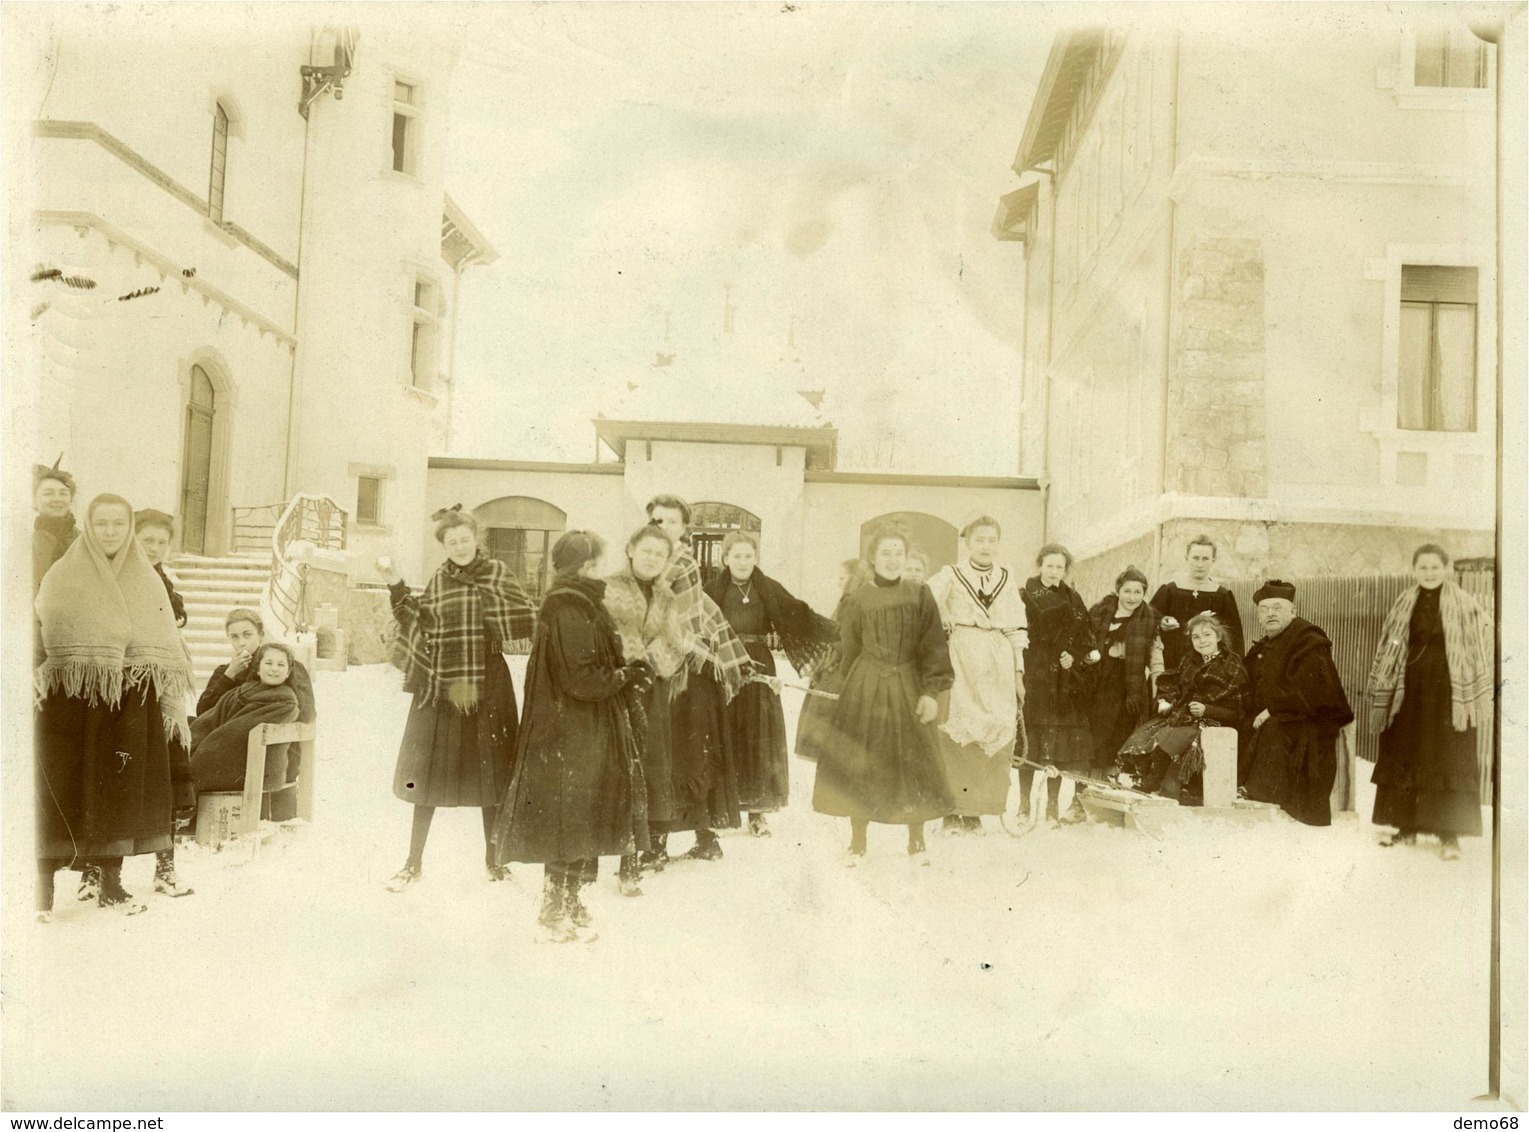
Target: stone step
220, 573
230, 596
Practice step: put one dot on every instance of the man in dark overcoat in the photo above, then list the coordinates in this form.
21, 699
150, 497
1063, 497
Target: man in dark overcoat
1288, 748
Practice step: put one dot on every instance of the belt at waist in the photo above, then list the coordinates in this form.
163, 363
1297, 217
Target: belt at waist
754, 638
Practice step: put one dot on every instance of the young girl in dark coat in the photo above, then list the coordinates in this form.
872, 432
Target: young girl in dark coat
1059, 680
1131, 659
577, 792
1164, 754
220, 737
459, 742
886, 767
761, 610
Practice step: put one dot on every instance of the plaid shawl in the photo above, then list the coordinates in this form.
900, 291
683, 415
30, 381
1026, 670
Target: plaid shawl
804, 636
1467, 646
1138, 634
1220, 681
447, 631
708, 637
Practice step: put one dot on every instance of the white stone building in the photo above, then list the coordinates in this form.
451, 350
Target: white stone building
246, 267
1260, 293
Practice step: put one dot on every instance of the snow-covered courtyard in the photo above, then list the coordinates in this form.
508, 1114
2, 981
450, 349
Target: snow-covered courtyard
1087, 967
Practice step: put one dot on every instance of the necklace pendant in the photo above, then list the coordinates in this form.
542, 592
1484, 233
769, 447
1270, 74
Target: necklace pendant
745, 599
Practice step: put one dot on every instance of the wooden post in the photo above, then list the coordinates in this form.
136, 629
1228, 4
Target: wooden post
254, 779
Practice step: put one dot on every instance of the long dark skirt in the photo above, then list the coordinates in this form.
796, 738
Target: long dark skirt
1109, 722
705, 781
1056, 731
1426, 775
657, 760
451, 759
886, 765
103, 778
815, 730
757, 727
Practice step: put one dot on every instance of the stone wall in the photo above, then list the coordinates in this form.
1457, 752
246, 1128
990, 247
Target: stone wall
1216, 411
1096, 576
1303, 550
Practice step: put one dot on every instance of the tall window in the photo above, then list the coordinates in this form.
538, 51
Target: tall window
369, 500
422, 340
405, 128
219, 162
1436, 373
1449, 56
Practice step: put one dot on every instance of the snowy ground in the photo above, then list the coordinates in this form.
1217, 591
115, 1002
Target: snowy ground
1080, 968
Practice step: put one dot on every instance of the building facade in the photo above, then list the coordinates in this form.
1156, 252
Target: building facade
1260, 296
245, 269
776, 481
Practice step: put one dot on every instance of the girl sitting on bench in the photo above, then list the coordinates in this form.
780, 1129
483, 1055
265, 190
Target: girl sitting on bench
1163, 755
220, 737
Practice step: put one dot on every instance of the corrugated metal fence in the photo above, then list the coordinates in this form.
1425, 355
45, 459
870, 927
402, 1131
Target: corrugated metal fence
1352, 610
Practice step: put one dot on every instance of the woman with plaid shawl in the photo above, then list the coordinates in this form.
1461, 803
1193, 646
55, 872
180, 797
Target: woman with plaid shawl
705, 779
459, 742
1430, 684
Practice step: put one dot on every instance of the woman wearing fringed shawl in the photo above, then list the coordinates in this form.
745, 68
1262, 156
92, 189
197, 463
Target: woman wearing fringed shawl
1130, 662
761, 610
885, 765
815, 724
459, 742
647, 618
1164, 754
1430, 684
113, 687
718, 666
984, 618
577, 792
1060, 666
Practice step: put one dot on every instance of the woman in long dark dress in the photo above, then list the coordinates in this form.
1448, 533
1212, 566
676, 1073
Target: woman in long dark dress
114, 680
1131, 660
647, 619
1430, 684
705, 779
814, 723
886, 765
1060, 664
458, 744
761, 610
1194, 593
577, 791
1164, 754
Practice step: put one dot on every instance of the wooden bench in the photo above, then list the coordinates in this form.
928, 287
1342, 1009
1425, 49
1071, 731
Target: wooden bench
221, 815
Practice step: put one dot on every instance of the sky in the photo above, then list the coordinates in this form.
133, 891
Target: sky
828, 171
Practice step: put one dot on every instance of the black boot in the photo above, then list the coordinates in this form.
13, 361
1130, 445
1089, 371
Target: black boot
165, 882
857, 830
656, 858
113, 895
1026, 786
757, 826
1401, 837
90, 883
1053, 795
45, 874
706, 848
916, 847
555, 919
626, 878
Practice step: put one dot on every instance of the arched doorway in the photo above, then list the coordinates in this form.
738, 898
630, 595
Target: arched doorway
197, 461
931, 534
710, 523
519, 531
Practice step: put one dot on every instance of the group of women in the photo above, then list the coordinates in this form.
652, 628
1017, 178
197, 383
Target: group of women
652, 704
117, 754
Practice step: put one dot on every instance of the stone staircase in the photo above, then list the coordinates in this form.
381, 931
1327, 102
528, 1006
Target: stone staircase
211, 587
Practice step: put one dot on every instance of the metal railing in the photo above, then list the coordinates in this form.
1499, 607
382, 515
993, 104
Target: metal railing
316, 520
254, 526
1352, 610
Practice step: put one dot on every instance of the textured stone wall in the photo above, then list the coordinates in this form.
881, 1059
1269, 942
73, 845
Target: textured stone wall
1303, 550
1216, 411
1096, 577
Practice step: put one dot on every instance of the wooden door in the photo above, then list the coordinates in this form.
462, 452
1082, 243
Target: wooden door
196, 467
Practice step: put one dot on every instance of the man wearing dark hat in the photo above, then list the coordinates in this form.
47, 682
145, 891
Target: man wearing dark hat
1296, 707
54, 529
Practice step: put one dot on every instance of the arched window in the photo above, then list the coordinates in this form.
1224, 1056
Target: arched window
710, 523
219, 162
931, 534
519, 531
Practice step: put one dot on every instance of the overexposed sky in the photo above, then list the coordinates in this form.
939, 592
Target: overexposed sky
832, 170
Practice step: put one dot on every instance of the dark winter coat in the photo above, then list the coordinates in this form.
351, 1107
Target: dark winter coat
1057, 699
219, 685
1292, 758
1219, 683
220, 739
884, 765
577, 791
